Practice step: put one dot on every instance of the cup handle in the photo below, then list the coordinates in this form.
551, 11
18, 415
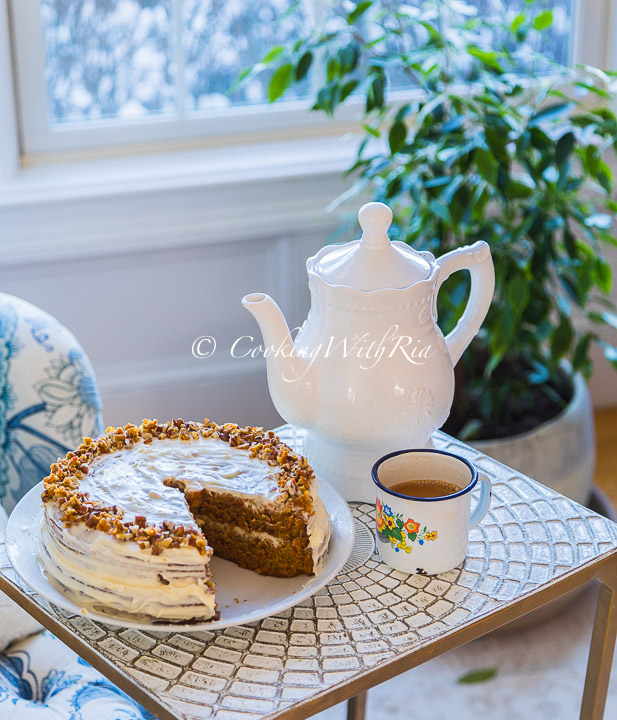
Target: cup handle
484, 501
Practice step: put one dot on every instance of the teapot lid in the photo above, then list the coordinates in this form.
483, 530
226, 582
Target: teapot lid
373, 262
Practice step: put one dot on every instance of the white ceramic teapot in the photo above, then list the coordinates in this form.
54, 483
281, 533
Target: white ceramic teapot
369, 371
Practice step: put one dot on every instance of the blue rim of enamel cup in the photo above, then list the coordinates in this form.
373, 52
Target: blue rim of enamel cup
462, 491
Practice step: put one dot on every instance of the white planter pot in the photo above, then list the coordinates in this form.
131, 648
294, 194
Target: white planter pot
560, 453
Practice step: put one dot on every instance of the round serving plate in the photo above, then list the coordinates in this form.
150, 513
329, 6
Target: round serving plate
242, 595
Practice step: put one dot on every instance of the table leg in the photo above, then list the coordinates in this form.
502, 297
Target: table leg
356, 707
600, 654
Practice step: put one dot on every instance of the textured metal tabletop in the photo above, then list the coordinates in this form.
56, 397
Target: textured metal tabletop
362, 621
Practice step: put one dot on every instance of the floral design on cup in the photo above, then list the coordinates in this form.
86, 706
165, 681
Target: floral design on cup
401, 533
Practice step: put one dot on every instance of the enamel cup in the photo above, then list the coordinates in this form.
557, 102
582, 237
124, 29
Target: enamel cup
426, 535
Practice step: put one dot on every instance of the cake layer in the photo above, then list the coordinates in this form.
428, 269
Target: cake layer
257, 551
272, 524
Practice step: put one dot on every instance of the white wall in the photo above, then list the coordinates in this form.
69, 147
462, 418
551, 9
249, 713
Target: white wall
138, 314
137, 309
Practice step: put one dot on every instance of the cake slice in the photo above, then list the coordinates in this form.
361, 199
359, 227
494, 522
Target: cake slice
132, 518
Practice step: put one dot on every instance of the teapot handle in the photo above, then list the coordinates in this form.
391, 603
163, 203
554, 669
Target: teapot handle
477, 259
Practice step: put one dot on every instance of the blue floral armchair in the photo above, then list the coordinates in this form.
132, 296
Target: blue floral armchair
48, 396
48, 400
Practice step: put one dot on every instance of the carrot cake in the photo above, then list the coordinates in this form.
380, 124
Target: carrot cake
132, 518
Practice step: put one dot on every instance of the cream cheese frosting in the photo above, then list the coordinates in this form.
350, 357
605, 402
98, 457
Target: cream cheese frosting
133, 479
95, 570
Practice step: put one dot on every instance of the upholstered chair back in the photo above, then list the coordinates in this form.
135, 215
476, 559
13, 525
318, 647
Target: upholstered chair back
48, 396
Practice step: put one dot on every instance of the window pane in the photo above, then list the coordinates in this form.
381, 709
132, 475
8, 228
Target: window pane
107, 58
554, 41
222, 37
117, 58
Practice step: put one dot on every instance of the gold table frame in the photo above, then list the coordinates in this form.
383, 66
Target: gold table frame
371, 623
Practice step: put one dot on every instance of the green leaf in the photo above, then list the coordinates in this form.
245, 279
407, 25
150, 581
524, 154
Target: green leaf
371, 130
413, 536
550, 112
348, 88
495, 358
248, 72
497, 141
603, 275
304, 65
279, 82
439, 210
437, 182
489, 58
543, 20
570, 243
561, 339
517, 189
358, 11
328, 98
470, 429
478, 676
517, 22
592, 159
397, 136
504, 332
375, 95
333, 68
486, 165
518, 293
273, 54
348, 57
580, 357
564, 147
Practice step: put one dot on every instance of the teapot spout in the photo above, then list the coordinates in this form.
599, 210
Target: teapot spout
291, 379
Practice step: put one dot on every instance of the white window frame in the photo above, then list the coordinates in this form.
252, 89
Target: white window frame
261, 121
38, 138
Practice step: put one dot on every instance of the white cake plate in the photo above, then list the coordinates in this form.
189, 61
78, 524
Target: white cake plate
243, 596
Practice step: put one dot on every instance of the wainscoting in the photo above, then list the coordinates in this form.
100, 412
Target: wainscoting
137, 294
137, 315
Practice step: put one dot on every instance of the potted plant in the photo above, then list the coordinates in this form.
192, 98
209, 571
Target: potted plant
492, 142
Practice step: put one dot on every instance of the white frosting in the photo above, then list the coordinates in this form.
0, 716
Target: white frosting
133, 479
98, 570
318, 531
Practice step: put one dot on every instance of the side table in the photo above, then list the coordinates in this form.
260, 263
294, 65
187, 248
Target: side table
371, 623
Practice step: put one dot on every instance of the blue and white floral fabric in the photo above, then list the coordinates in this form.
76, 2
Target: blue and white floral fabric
48, 396
48, 401
41, 679
15, 623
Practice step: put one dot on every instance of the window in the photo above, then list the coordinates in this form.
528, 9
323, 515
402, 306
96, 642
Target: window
94, 73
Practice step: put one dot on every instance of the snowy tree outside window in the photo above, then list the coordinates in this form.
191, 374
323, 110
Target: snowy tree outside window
119, 59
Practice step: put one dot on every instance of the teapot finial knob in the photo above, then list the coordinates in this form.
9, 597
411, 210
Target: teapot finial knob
375, 218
